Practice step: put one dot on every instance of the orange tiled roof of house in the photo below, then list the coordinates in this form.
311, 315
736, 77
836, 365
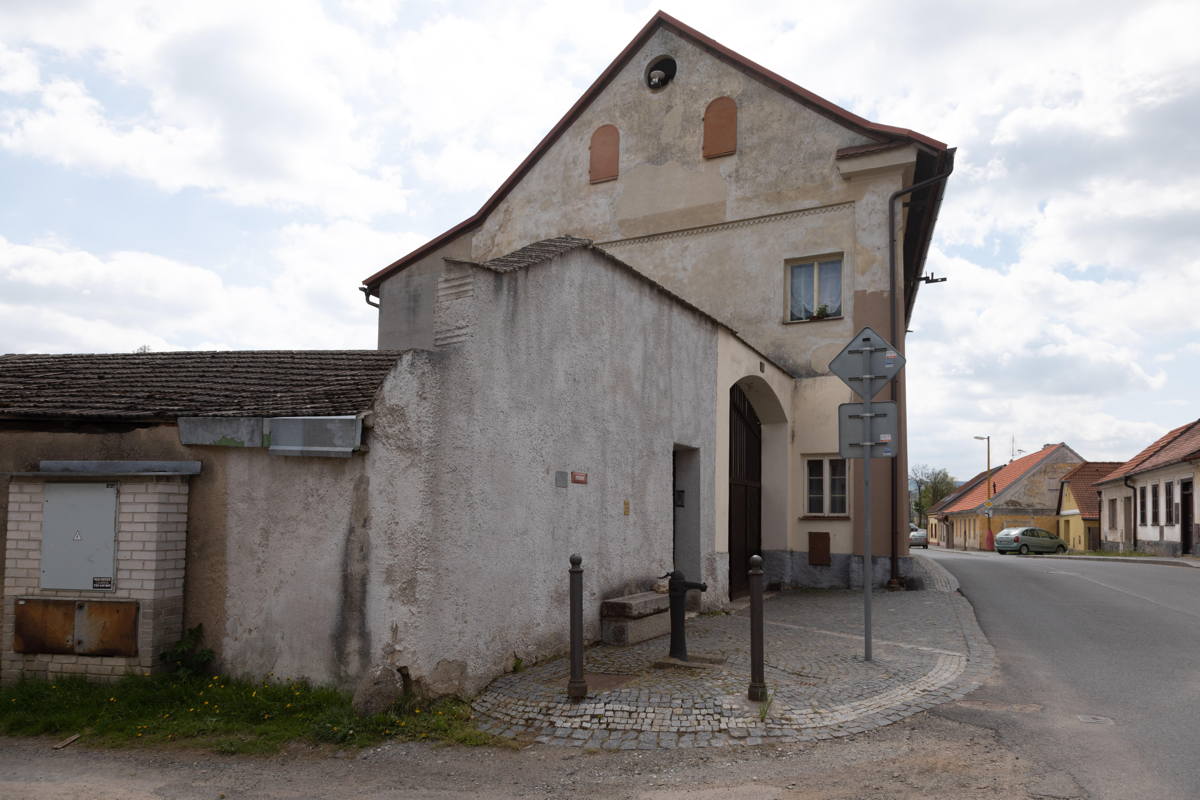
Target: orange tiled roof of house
1180, 444
940, 506
1082, 481
1001, 480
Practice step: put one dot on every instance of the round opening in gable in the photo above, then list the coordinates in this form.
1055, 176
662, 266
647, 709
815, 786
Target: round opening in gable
660, 72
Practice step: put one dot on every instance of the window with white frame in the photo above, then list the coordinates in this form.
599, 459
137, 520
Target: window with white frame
1141, 505
826, 490
1169, 502
814, 288
1154, 504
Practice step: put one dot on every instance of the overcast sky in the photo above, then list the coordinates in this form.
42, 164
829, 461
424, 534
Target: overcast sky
223, 175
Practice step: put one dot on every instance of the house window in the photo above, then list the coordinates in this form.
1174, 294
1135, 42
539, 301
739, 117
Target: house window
827, 486
720, 128
1112, 514
1169, 502
1141, 505
1154, 504
604, 154
814, 288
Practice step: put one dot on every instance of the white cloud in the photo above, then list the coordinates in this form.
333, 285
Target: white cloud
118, 302
237, 106
19, 72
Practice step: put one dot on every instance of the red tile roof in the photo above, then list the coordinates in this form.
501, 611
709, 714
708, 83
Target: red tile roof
1082, 481
1181, 444
1001, 480
141, 386
966, 486
873, 130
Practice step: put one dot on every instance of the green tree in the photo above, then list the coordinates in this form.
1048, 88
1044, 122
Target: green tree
932, 484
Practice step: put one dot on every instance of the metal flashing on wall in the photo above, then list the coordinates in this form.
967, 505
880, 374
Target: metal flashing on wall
222, 431
336, 437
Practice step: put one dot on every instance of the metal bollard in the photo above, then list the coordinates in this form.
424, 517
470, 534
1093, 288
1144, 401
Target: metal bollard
576, 686
758, 681
677, 589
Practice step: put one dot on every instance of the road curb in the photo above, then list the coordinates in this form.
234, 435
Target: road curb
1165, 562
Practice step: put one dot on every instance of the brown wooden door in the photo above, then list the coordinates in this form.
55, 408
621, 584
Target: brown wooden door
745, 490
1186, 518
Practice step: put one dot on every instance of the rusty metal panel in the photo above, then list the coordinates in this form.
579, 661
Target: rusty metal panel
818, 549
604, 154
44, 626
106, 628
720, 128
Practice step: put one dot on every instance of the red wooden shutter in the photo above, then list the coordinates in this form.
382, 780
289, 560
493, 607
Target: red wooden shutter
720, 128
605, 152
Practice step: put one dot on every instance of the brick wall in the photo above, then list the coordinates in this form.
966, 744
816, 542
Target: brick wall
150, 545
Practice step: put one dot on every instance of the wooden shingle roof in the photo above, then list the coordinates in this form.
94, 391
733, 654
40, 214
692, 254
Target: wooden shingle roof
164, 386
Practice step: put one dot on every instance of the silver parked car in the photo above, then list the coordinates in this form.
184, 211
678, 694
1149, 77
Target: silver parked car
917, 537
1028, 540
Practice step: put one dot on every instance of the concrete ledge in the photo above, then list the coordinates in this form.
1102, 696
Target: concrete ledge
635, 606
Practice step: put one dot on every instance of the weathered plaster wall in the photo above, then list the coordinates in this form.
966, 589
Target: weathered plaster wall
784, 158
720, 232
326, 556
574, 366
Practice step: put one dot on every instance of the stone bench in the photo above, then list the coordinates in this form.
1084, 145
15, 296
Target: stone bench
634, 618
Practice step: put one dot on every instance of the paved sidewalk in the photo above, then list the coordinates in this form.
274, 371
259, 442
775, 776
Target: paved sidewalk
927, 650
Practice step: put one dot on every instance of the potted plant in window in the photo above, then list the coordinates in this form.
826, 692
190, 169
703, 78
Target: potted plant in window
821, 313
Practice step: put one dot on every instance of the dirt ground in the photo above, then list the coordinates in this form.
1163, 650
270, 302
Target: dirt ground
926, 756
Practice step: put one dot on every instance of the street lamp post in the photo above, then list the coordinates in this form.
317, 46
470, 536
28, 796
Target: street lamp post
988, 484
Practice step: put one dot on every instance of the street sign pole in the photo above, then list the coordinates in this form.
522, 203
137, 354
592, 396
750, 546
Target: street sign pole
868, 440
868, 358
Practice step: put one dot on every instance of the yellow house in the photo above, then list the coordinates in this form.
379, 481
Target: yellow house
1023, 492
1078, 522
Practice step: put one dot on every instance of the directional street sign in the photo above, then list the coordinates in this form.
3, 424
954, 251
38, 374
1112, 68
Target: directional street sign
867, 430
852, 430
882, 362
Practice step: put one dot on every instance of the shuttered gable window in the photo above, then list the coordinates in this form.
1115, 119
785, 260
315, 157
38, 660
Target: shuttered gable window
604, 154
720, 128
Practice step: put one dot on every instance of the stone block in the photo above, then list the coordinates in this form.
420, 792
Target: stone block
624, 631
635, 606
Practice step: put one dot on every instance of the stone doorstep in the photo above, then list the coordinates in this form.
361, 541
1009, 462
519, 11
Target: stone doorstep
635, 606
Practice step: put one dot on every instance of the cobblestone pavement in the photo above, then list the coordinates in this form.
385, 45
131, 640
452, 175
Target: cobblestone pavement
927, 649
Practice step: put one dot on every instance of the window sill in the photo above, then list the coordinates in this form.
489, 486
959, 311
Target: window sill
811, 319
824, 517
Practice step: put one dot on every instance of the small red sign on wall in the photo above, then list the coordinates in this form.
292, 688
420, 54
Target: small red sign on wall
578, 477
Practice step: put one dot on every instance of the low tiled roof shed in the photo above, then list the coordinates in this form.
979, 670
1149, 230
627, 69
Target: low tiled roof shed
166, 386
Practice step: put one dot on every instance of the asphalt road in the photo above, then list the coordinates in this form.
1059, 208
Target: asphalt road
1098, 669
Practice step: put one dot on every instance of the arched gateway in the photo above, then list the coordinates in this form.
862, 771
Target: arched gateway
757, 476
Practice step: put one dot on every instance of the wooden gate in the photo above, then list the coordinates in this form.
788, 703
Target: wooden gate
745, 490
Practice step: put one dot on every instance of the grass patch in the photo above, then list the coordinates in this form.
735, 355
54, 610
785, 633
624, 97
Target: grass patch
221, 714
